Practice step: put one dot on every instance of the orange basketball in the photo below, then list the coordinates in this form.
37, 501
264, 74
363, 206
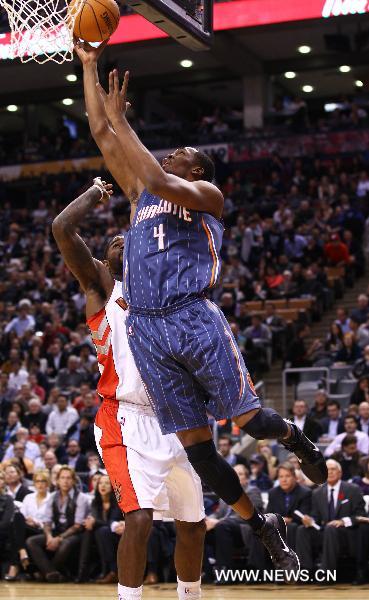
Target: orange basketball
97, 20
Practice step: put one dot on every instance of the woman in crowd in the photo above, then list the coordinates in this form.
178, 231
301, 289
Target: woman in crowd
263, 447
334, 340
350, 352
104, 525
28, 522
361, 392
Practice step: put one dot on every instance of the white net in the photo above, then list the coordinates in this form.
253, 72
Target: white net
42, 30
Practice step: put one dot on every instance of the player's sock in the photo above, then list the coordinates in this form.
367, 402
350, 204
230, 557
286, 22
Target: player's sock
215, 471
128, 593
189, 590
266, 424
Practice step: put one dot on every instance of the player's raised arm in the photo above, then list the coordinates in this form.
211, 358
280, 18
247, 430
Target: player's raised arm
89, 272
101, 130
193, 193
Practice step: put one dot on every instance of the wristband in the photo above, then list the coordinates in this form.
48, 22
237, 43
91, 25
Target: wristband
101, 189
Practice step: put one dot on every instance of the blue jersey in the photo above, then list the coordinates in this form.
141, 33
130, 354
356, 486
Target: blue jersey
171, 253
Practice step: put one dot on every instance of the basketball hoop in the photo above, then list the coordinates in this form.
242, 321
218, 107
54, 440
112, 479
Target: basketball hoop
42, 30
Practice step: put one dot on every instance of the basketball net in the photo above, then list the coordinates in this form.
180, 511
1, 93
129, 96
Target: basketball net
42, 30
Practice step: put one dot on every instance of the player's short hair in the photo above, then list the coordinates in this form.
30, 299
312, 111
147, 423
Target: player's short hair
205, 162
108, 244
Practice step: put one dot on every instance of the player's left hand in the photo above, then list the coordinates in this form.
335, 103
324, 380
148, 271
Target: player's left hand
105, 188
115, 101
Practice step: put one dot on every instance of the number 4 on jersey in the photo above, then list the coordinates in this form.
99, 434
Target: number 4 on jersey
159, 233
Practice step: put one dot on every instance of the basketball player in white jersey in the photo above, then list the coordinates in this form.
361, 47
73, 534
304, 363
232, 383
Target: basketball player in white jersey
149, 471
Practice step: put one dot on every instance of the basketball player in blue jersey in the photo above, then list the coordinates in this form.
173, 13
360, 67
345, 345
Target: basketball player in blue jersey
182, 344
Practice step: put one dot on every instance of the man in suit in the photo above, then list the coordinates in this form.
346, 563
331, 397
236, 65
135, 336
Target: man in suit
225, 447
312, 429
288, 497
56, 358
335, 508
225, 527
333, 424
349, 458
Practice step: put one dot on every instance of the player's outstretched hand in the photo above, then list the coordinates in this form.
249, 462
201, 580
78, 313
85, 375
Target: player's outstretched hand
88, 54
106, 189
115, 101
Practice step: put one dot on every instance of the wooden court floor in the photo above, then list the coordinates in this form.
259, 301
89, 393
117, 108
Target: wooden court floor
28, 591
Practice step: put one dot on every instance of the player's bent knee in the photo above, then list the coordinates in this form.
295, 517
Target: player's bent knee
215, 471
139, 522
267, 423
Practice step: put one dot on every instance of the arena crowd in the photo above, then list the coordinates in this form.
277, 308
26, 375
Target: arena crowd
295, 230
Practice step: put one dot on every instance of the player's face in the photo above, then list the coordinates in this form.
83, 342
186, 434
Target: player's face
115, 254
180, 162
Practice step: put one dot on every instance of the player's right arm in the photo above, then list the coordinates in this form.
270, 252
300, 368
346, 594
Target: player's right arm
101, 129
91, 274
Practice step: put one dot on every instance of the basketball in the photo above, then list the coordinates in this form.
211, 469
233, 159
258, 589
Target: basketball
97, 20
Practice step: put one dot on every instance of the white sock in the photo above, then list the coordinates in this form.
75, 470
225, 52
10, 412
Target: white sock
189, 590
128, 593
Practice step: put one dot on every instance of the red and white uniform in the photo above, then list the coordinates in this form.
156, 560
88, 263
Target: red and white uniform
147, 469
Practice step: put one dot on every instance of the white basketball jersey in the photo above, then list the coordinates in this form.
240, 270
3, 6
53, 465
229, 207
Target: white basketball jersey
119, 377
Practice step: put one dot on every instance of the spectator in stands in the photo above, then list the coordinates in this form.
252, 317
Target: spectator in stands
75, 459
31, 450
297, 355
311, 428
319, 410
6, 396
14, 483
361, 392
361, 367
360, 332
364, 417
225, 449
263, 447
56, 358
349, 458
363, 482
7, 510
361, 313
287, 497
334, 340
62, 418
351, 428
86, 433
343, 319
350, 352
226, 530
259, 477
333, 423
337, 519
24, 321
27, 522
72, 377
336, 252
65, 513
18, 375
104, 525
12, 425
35, 415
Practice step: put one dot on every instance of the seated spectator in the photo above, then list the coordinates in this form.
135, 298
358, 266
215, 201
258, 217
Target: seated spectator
311, 428
31, 450
79, 400
35, 415
57, 359
363, 481
361, 312
72, 376
86, 433
15, 486
364, 417
225, 449
12, 425
297, 355
104, 525
276, 325
19, 449
75, 459
18, 375
342, 319
258, 477
27, 522
337, 520
263, 447
334, 340
333, 424
62, 418
360, 332
361, 392
40, 462
55, 444
226, 530
349, 458
287, 497
319, 411
65, 513
7, 510
351, 427
350, 351
7, 395
24, 321
336, 252
361, 367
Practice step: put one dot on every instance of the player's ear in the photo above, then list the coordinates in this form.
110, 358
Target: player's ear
197, 172
106, 263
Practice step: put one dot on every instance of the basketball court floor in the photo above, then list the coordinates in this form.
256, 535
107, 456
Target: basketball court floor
27, 591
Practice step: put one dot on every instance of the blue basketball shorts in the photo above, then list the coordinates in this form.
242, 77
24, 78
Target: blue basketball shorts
190, 364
